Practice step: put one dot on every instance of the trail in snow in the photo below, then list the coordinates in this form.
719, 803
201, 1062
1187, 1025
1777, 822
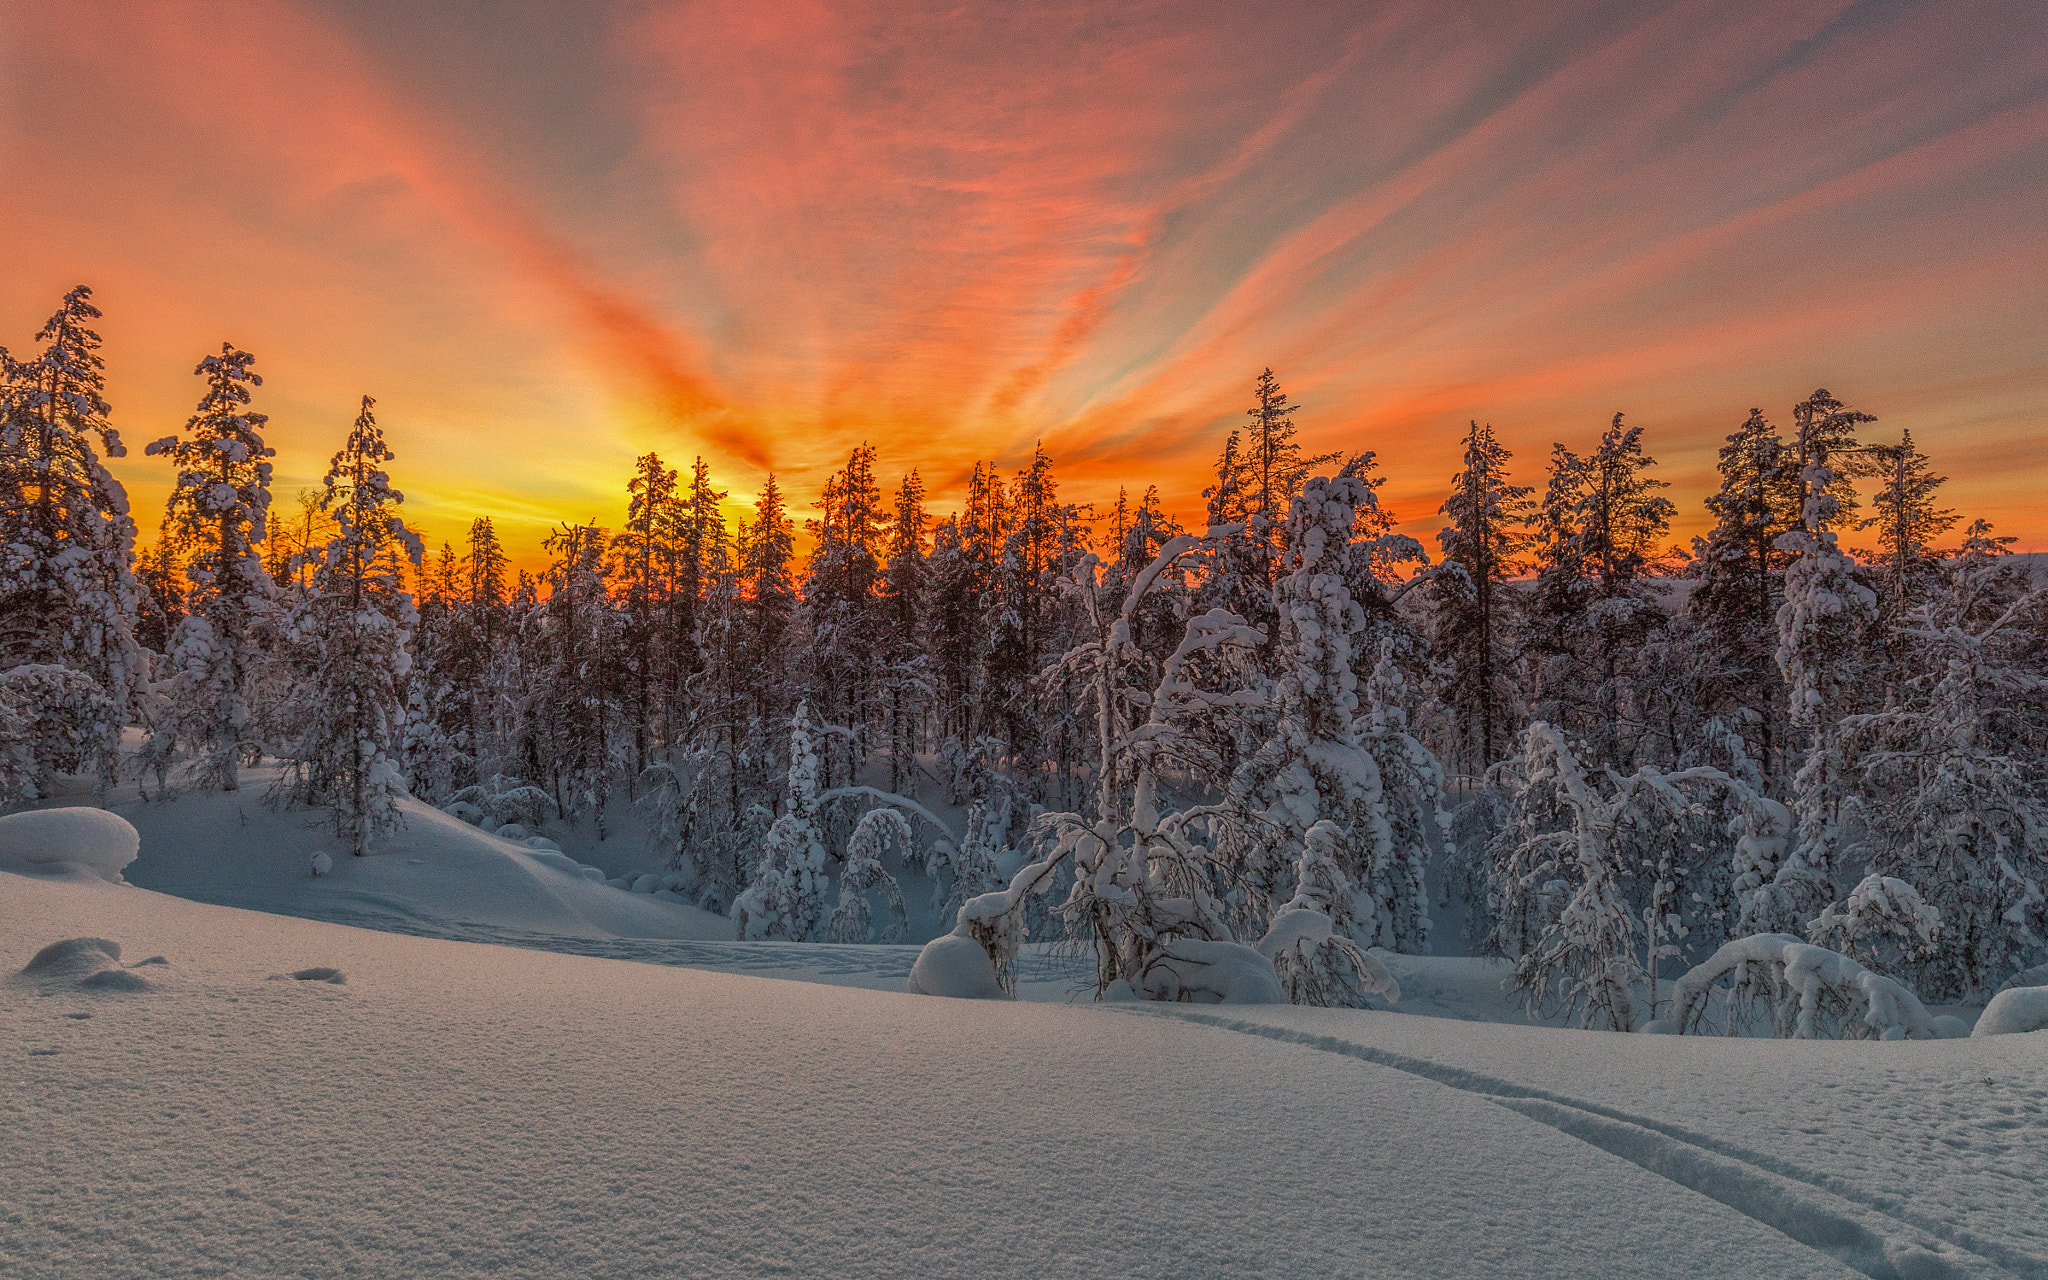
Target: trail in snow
1878, 1235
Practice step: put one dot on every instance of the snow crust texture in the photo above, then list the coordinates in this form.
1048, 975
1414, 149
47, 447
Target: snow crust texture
464, 1110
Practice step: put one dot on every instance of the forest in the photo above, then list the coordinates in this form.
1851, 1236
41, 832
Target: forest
1282, 728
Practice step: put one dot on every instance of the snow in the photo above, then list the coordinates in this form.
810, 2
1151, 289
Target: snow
74, 840
462, 1110
2013, 1012
955, 966
472, 1111
437, 875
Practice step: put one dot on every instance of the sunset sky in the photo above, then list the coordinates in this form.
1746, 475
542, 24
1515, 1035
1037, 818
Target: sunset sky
549, 237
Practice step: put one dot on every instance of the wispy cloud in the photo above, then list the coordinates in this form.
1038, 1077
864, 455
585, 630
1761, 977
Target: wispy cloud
957, 230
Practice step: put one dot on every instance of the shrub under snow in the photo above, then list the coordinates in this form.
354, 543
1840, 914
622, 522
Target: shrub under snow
76, 839
2011, 1012
1808, 988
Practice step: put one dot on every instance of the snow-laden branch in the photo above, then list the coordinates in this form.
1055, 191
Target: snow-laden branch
1804, 982
890, 797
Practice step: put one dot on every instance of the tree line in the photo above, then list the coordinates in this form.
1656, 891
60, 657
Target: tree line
1611, 752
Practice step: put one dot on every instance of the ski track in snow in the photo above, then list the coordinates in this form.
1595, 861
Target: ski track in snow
1873, 1234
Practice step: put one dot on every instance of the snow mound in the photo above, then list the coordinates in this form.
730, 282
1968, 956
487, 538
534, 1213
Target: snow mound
58, 841
2034, 977
2014, 1011
93, 964
319, 973
436, 874
955, 966
1214, 973
74, 957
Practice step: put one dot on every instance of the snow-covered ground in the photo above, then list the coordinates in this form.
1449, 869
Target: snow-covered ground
463, 1109
438, 876
628, 1091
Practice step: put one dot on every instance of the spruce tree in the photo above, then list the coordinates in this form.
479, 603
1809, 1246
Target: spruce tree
840, 604
1822, 625
770, 591
904, 587
1599, 533
349, 639
1740, 570
574, 674
219, 506
647, 560
162, 600
1482, 540
67, 543
484, 573
1907, 521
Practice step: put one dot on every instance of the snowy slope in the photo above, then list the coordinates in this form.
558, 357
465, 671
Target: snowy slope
438, 876
467, 1110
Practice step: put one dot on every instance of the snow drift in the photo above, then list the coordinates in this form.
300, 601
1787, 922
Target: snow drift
76, 841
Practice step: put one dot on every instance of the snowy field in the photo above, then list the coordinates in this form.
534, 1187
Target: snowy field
462, 1109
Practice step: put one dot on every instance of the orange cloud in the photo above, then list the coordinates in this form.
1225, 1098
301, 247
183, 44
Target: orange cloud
769, 232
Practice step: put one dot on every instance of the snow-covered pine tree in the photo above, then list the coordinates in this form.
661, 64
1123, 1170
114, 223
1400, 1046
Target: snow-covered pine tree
645, 573
348, 640
572, 659
703, 553
1028, 570
444, 687
1413, 796
786, 895
1823, 628
902, 591
1599, 531
1907, 522
1950, 776
769, 590
1732, 613
1260, 471
67, 543
1470, 615
217, 514
161, 600
840, 608
863, 873
1314, 765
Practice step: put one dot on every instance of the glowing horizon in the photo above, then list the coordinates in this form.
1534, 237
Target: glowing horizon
553, 238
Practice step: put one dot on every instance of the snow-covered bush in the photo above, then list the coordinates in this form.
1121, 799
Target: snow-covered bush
863, 872
977, 960
501, 799
1314, 964
1809, 992
1883, 921
53, 720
